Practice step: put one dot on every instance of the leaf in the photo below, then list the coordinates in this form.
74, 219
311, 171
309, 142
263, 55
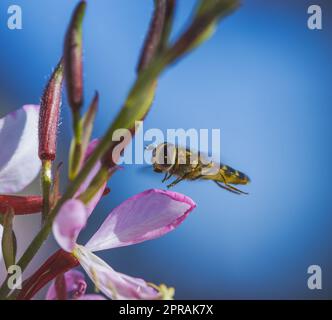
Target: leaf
9, 243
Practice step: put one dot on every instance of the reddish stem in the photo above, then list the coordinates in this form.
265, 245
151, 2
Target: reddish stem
61, 287
21, 204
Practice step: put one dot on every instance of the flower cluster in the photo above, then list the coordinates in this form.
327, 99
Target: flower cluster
146, 216
28, 139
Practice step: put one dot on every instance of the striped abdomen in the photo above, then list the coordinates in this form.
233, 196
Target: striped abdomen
229, 175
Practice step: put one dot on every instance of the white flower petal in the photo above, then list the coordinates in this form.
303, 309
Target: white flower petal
19, 161
113, 284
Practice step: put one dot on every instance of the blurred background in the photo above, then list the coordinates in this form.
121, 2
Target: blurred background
264, 79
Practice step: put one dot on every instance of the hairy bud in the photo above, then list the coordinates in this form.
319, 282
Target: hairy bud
49, 115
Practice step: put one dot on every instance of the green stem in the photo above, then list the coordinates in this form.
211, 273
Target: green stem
75, 157
96, 184
46, 182
77, 126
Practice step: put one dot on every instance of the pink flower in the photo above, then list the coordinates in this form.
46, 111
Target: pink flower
75, 287
145, 216
19, 162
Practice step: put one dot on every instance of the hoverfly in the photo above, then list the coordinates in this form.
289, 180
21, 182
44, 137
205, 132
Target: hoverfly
185, 164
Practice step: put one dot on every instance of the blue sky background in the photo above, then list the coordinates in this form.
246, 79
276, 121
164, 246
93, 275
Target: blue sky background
265, 80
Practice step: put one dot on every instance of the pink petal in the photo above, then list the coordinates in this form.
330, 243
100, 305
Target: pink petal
91, 297
1, 229
93, 202
70, 220
113, 284
146, 216
91, 147
75, 286
19, 161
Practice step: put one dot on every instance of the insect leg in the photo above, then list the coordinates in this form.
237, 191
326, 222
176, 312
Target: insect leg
226, 187
167, 176
236, 189
229, 187
176, 181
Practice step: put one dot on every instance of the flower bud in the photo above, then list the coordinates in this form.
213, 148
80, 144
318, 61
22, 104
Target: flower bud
73, 58
152, 41
49, 115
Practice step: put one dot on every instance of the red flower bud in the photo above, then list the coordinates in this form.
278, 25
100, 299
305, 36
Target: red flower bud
49, 115
21, 204
73, 58
59, 263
